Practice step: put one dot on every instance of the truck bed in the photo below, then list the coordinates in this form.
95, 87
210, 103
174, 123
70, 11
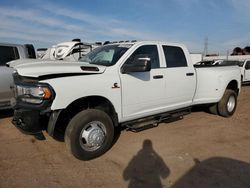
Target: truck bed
212, 81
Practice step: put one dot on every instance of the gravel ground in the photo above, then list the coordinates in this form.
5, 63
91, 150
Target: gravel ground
201, 150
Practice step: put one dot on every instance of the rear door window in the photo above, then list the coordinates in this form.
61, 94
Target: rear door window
8, 53
174, 56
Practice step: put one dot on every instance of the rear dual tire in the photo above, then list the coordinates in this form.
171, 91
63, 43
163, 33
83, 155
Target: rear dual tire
227, 105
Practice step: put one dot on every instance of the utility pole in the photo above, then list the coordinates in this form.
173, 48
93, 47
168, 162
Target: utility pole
205, 46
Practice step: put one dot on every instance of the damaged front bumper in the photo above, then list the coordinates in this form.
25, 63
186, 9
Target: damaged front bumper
29, 122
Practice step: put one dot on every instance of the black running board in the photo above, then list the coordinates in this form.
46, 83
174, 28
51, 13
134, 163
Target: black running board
153, 121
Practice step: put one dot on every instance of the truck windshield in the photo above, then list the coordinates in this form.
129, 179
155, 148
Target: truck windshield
106, 55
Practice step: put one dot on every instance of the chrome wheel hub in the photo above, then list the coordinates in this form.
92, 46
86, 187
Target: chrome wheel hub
231, 104
92, 136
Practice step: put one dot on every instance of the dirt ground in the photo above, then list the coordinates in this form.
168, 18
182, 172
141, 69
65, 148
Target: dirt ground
201, 150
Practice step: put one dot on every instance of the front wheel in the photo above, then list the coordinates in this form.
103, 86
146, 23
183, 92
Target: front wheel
89, 134
228, 103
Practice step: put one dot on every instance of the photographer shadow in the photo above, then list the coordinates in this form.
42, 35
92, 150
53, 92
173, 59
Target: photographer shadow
146, 168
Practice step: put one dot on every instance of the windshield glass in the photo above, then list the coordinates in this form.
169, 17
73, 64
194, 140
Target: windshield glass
106, 55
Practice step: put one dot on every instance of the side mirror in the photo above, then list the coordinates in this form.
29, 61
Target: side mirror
141, 63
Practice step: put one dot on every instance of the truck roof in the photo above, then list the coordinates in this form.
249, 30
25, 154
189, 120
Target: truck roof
147, 41
10, 44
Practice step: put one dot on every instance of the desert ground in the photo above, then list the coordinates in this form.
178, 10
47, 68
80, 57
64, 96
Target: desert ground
200, 150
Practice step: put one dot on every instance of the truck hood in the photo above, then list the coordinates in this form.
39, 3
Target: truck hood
18, 62
41, 68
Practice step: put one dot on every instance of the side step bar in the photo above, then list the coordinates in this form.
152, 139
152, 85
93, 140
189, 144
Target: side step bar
153, 121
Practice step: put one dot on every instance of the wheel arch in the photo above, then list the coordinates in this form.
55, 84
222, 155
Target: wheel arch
57, 126
233, 85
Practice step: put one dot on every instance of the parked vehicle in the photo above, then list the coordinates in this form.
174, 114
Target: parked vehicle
40, 52
245, 70
203, 63
132, 85
69, 51
9, 52
226, 62
210, 63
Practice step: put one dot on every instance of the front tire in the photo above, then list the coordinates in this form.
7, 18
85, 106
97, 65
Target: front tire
89, 134
228, 103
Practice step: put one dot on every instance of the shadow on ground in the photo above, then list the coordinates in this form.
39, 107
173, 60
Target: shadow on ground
6, 113
216, 172
146, 168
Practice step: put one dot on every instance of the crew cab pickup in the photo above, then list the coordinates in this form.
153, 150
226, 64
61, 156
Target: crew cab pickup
131, 85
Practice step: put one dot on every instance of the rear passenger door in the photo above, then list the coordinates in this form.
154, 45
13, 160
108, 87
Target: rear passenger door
180, 78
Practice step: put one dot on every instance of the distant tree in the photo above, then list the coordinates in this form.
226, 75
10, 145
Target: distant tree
246, 50
237, 51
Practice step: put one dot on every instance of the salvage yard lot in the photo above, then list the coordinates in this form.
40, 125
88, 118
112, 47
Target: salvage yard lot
201, 150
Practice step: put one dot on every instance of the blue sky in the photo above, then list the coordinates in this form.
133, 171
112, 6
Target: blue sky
42, 22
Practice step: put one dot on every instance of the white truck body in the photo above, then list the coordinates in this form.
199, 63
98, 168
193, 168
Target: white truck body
170, 85
139, 94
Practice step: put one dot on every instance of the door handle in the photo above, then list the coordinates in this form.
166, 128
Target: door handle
190, 74
158, 76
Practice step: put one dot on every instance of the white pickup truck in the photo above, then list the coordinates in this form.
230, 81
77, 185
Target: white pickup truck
10, 52
245, 70
132, 84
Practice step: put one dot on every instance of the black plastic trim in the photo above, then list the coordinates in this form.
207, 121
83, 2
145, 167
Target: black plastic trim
52, 76
190, 74
159, 117
158, 77
52, 122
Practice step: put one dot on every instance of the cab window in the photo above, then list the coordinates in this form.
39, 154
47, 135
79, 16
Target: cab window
174, 56
149, 50
8, 53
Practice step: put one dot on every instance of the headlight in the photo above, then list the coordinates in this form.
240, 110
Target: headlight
33, 94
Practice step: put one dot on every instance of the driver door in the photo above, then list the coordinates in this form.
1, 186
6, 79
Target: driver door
143, 92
